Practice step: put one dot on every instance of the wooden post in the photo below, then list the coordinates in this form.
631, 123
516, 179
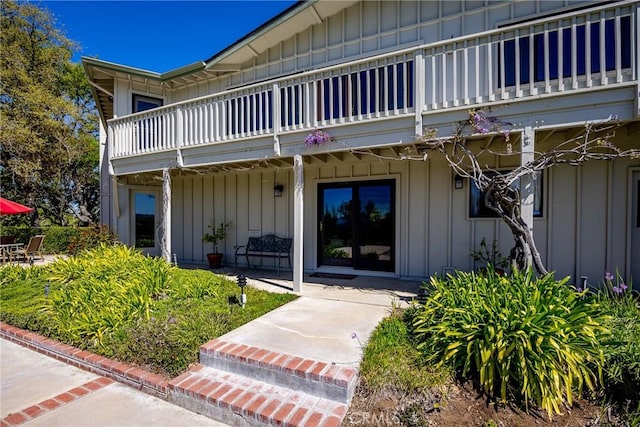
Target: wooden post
419, 91
166, 215
527, 183
298, 223
276, 119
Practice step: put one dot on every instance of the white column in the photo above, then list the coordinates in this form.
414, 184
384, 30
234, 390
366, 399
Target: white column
275, 108
298, 226
179, 136
166, 215
527, 193
418, 91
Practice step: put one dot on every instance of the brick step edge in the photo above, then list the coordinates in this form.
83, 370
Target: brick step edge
132, 376
241, 401
326, 380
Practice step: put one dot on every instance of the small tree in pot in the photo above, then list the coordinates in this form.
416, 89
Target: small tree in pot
490, 255
217, 234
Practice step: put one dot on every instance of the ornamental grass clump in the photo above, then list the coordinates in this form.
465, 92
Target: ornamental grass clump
523, 338
97, 292
622, 356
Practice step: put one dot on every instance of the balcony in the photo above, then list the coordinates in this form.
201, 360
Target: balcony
587, 50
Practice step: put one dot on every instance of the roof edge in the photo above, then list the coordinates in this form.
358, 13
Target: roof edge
178, 72
248, 38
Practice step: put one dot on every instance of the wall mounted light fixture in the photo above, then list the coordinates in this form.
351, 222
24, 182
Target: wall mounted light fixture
277, 190
458, 182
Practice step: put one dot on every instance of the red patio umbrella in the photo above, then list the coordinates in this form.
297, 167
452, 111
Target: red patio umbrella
7, 207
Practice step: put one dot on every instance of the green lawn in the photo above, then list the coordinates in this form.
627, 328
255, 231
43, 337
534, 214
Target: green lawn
116, 302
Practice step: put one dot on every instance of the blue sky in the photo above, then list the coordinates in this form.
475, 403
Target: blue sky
158, 35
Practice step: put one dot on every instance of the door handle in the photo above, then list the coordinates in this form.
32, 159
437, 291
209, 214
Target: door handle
320, 226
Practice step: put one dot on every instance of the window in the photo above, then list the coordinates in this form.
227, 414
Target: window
564, 37
148, 135
478, 209
144, 103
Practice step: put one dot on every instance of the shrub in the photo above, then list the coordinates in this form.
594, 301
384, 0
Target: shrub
56, 241
58, 238
20, 233
534, 339
174, 338
92, 237
64, 240
622, 355
102, 290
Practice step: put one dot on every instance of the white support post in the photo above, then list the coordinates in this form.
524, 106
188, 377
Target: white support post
110, 147
276, 119
166, 214
179, 136
419, 92
298, 222
527, 193
116, 197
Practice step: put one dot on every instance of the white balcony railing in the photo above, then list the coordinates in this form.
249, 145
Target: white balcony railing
561, 54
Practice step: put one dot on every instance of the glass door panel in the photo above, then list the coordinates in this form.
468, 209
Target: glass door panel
145, 220
357, 225
635, 228
376, 227
336, 226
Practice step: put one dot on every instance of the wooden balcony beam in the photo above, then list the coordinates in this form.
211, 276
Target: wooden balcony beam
337, 155
396, 150
320, 157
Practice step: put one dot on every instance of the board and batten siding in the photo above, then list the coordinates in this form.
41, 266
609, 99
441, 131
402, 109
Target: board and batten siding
369, 28
244, 199
583, 230
587, 227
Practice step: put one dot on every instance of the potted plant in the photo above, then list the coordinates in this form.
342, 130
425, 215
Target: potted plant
216, 234
490, 255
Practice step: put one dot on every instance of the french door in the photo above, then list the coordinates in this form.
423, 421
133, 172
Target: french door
635, 227
145, 221
356, 225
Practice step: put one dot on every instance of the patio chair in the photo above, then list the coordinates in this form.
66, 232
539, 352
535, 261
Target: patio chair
33, 247
6, 248
7, 240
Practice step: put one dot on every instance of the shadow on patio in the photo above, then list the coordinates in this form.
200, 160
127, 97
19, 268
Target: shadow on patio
341, 287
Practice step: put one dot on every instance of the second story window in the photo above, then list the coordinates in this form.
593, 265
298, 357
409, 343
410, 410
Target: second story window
144, 103
148, 129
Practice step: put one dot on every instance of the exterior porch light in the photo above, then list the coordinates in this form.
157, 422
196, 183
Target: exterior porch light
584, 282
242, 282
458, 182
277, 190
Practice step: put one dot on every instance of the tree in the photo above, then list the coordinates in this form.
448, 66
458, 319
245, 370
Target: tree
49, 152
498, 186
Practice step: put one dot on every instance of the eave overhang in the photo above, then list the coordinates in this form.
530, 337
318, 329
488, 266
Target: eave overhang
298, 17
293, 20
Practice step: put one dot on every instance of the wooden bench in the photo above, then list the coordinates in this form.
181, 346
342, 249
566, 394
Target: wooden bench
267, 246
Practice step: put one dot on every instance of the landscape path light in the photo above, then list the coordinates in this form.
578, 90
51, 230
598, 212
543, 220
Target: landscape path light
242, 282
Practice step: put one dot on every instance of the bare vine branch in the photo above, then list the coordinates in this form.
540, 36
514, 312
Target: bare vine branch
498, 186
